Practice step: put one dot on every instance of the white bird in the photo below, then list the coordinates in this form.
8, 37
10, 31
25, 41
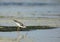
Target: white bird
20, 25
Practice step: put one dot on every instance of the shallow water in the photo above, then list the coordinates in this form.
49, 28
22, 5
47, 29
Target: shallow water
30, 11
51, 11
49, 35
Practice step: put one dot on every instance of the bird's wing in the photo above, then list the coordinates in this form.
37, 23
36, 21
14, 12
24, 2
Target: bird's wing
19, 22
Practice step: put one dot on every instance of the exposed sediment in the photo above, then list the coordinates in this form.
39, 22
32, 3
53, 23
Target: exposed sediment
28, 28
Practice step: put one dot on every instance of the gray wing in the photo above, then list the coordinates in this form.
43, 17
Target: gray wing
18, 22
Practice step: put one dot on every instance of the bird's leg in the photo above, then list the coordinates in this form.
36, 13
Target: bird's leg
18, 34
18, 28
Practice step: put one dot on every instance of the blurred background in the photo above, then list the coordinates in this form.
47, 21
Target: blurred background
25, 10
32, 13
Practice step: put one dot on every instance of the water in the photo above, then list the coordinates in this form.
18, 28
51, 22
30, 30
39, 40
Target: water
27, 3
33, 10
30, 15
50, 35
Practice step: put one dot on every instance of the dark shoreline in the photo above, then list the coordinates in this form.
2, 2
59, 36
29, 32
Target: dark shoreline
28, 28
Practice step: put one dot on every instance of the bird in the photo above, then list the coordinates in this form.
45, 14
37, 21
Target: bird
20, 26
